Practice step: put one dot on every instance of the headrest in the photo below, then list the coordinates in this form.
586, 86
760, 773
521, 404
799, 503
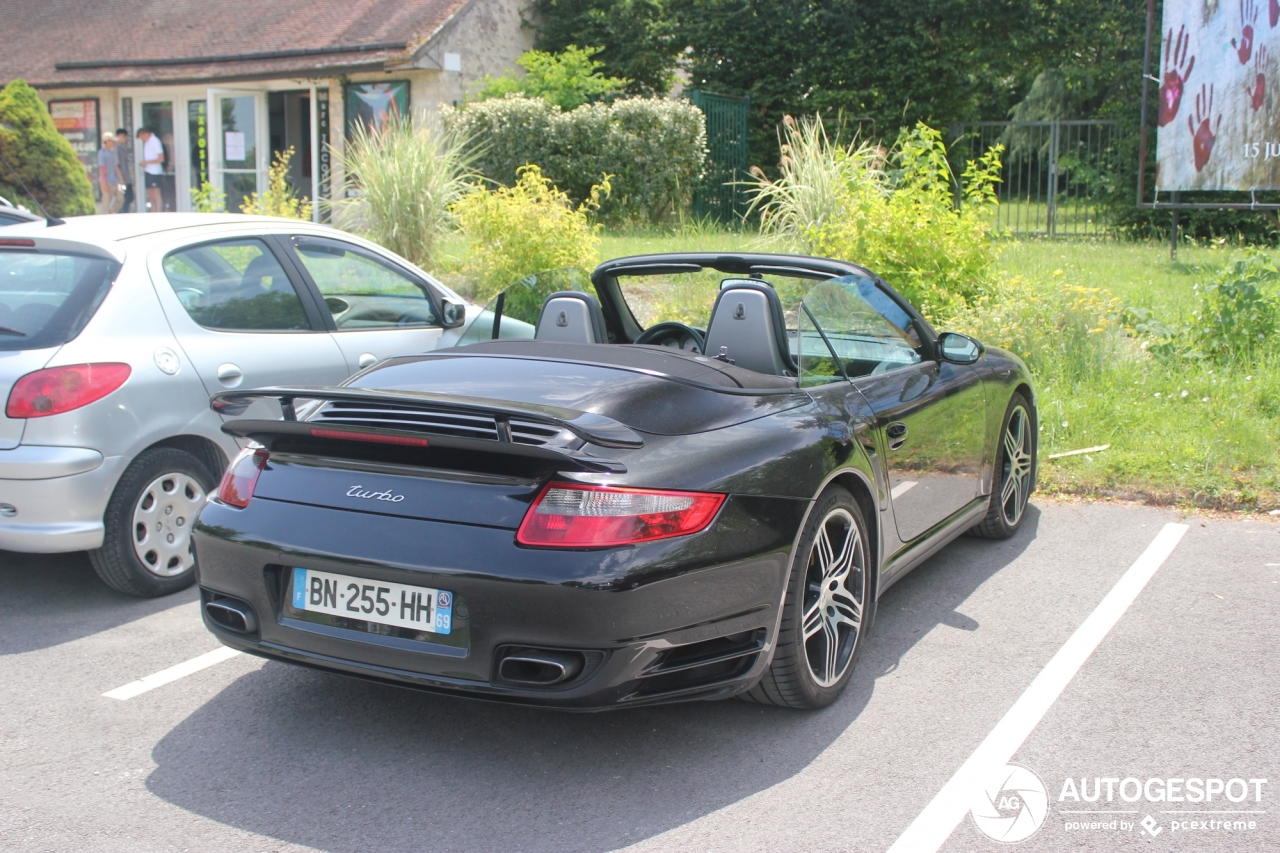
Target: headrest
570, 316
747, 322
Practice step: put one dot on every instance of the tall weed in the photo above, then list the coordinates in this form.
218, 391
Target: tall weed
403, 183
280, 198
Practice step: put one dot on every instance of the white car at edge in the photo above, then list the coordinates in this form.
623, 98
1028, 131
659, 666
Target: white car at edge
116, 330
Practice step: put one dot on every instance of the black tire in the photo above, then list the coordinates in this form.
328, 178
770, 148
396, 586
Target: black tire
1000, 522
791, 680
183, 483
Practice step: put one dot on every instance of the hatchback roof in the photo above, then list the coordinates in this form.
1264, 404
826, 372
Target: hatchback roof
124, 226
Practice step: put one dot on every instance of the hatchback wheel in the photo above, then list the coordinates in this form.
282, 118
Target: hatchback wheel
146, 550
825, 613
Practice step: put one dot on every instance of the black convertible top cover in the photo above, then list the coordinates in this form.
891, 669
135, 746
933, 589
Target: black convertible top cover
665, 361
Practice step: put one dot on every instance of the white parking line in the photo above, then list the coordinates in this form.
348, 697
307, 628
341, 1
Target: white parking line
902, 488
173, 673
930, 830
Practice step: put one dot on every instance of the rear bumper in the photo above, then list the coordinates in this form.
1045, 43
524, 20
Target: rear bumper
52, 498
682, 619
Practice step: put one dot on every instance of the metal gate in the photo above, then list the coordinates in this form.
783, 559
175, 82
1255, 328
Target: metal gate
720, 194
1053, 173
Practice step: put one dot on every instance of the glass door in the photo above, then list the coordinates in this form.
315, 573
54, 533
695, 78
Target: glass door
157, 179
238, 146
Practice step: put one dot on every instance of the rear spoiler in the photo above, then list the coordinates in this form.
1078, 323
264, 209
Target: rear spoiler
588, 426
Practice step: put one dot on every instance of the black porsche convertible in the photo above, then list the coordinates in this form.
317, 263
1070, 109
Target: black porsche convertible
686, 476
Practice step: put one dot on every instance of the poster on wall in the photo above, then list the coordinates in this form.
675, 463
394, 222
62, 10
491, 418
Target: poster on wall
1219, 118
375, 104
78, 122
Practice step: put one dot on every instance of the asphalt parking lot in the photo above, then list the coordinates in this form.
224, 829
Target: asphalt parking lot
247, 755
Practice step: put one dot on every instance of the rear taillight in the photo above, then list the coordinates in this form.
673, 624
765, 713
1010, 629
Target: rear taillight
566, 515
55, 390
241, 478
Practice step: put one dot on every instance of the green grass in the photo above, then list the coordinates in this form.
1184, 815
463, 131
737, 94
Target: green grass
1186, 432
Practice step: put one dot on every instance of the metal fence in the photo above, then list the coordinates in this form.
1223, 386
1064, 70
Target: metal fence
1053, 173
721, 195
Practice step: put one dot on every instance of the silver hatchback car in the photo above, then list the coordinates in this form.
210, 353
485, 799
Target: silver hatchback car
114, 333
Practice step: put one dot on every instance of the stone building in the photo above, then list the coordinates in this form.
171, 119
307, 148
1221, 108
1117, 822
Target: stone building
225, 84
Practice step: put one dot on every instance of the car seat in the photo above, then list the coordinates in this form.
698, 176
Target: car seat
747, 325
571, 317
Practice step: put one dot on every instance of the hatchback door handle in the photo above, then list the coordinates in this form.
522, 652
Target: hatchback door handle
229, 374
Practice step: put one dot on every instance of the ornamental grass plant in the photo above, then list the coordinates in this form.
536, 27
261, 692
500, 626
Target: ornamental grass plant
402, 184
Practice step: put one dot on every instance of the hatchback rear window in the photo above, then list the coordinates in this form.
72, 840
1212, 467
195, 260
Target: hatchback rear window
46, 298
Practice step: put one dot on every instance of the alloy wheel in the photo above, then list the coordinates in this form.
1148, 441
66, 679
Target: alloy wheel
1016, 474
834, 593
162, 520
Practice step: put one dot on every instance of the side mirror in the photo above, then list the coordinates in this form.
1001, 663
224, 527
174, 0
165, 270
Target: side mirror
958, 349
452, 314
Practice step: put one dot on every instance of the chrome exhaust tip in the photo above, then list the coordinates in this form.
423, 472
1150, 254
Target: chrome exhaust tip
232, 615
539, 667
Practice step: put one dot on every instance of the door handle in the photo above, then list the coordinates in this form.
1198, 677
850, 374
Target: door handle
367, 359
230, 374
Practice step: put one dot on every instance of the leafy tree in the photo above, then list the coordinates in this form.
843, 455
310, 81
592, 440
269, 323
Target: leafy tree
568, 79
637, 38
35, 154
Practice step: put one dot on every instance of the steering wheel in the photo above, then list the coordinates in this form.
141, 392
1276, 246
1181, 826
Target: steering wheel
674, 335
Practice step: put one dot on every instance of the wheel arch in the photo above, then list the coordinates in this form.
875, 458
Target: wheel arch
208, 452
855, 483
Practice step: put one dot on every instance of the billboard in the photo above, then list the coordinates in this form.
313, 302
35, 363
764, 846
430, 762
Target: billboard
1219, 119
78, 122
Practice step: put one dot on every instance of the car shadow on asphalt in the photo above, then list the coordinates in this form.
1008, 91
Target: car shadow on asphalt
341, 765
50, 599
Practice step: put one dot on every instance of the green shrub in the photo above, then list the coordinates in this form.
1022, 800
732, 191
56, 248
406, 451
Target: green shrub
402, 182
894, 212
527, 228
568, 79
280, 199
1239, 310
652, 149
37, 156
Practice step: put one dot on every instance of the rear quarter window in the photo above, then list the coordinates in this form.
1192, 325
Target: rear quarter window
46, 298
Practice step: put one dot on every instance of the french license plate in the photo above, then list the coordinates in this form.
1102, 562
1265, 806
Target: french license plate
385, 603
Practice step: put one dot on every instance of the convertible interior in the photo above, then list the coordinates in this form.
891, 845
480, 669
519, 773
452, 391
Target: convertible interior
770, 319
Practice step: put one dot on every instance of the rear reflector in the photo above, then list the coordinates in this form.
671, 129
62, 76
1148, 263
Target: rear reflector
241, 478
567, 515
55, 390
406, 440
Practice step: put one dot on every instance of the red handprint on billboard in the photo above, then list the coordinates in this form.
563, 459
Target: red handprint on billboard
1177, 68
1257, 90
1202, 136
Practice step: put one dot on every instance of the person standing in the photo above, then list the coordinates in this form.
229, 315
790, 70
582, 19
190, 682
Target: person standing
110, 179
125, 162
152, 164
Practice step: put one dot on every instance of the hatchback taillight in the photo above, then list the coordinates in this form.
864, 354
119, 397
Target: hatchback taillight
241, 478
567, 515
55, 390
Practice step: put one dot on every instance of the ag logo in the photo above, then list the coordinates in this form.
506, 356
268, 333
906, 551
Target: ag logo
1010, 804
